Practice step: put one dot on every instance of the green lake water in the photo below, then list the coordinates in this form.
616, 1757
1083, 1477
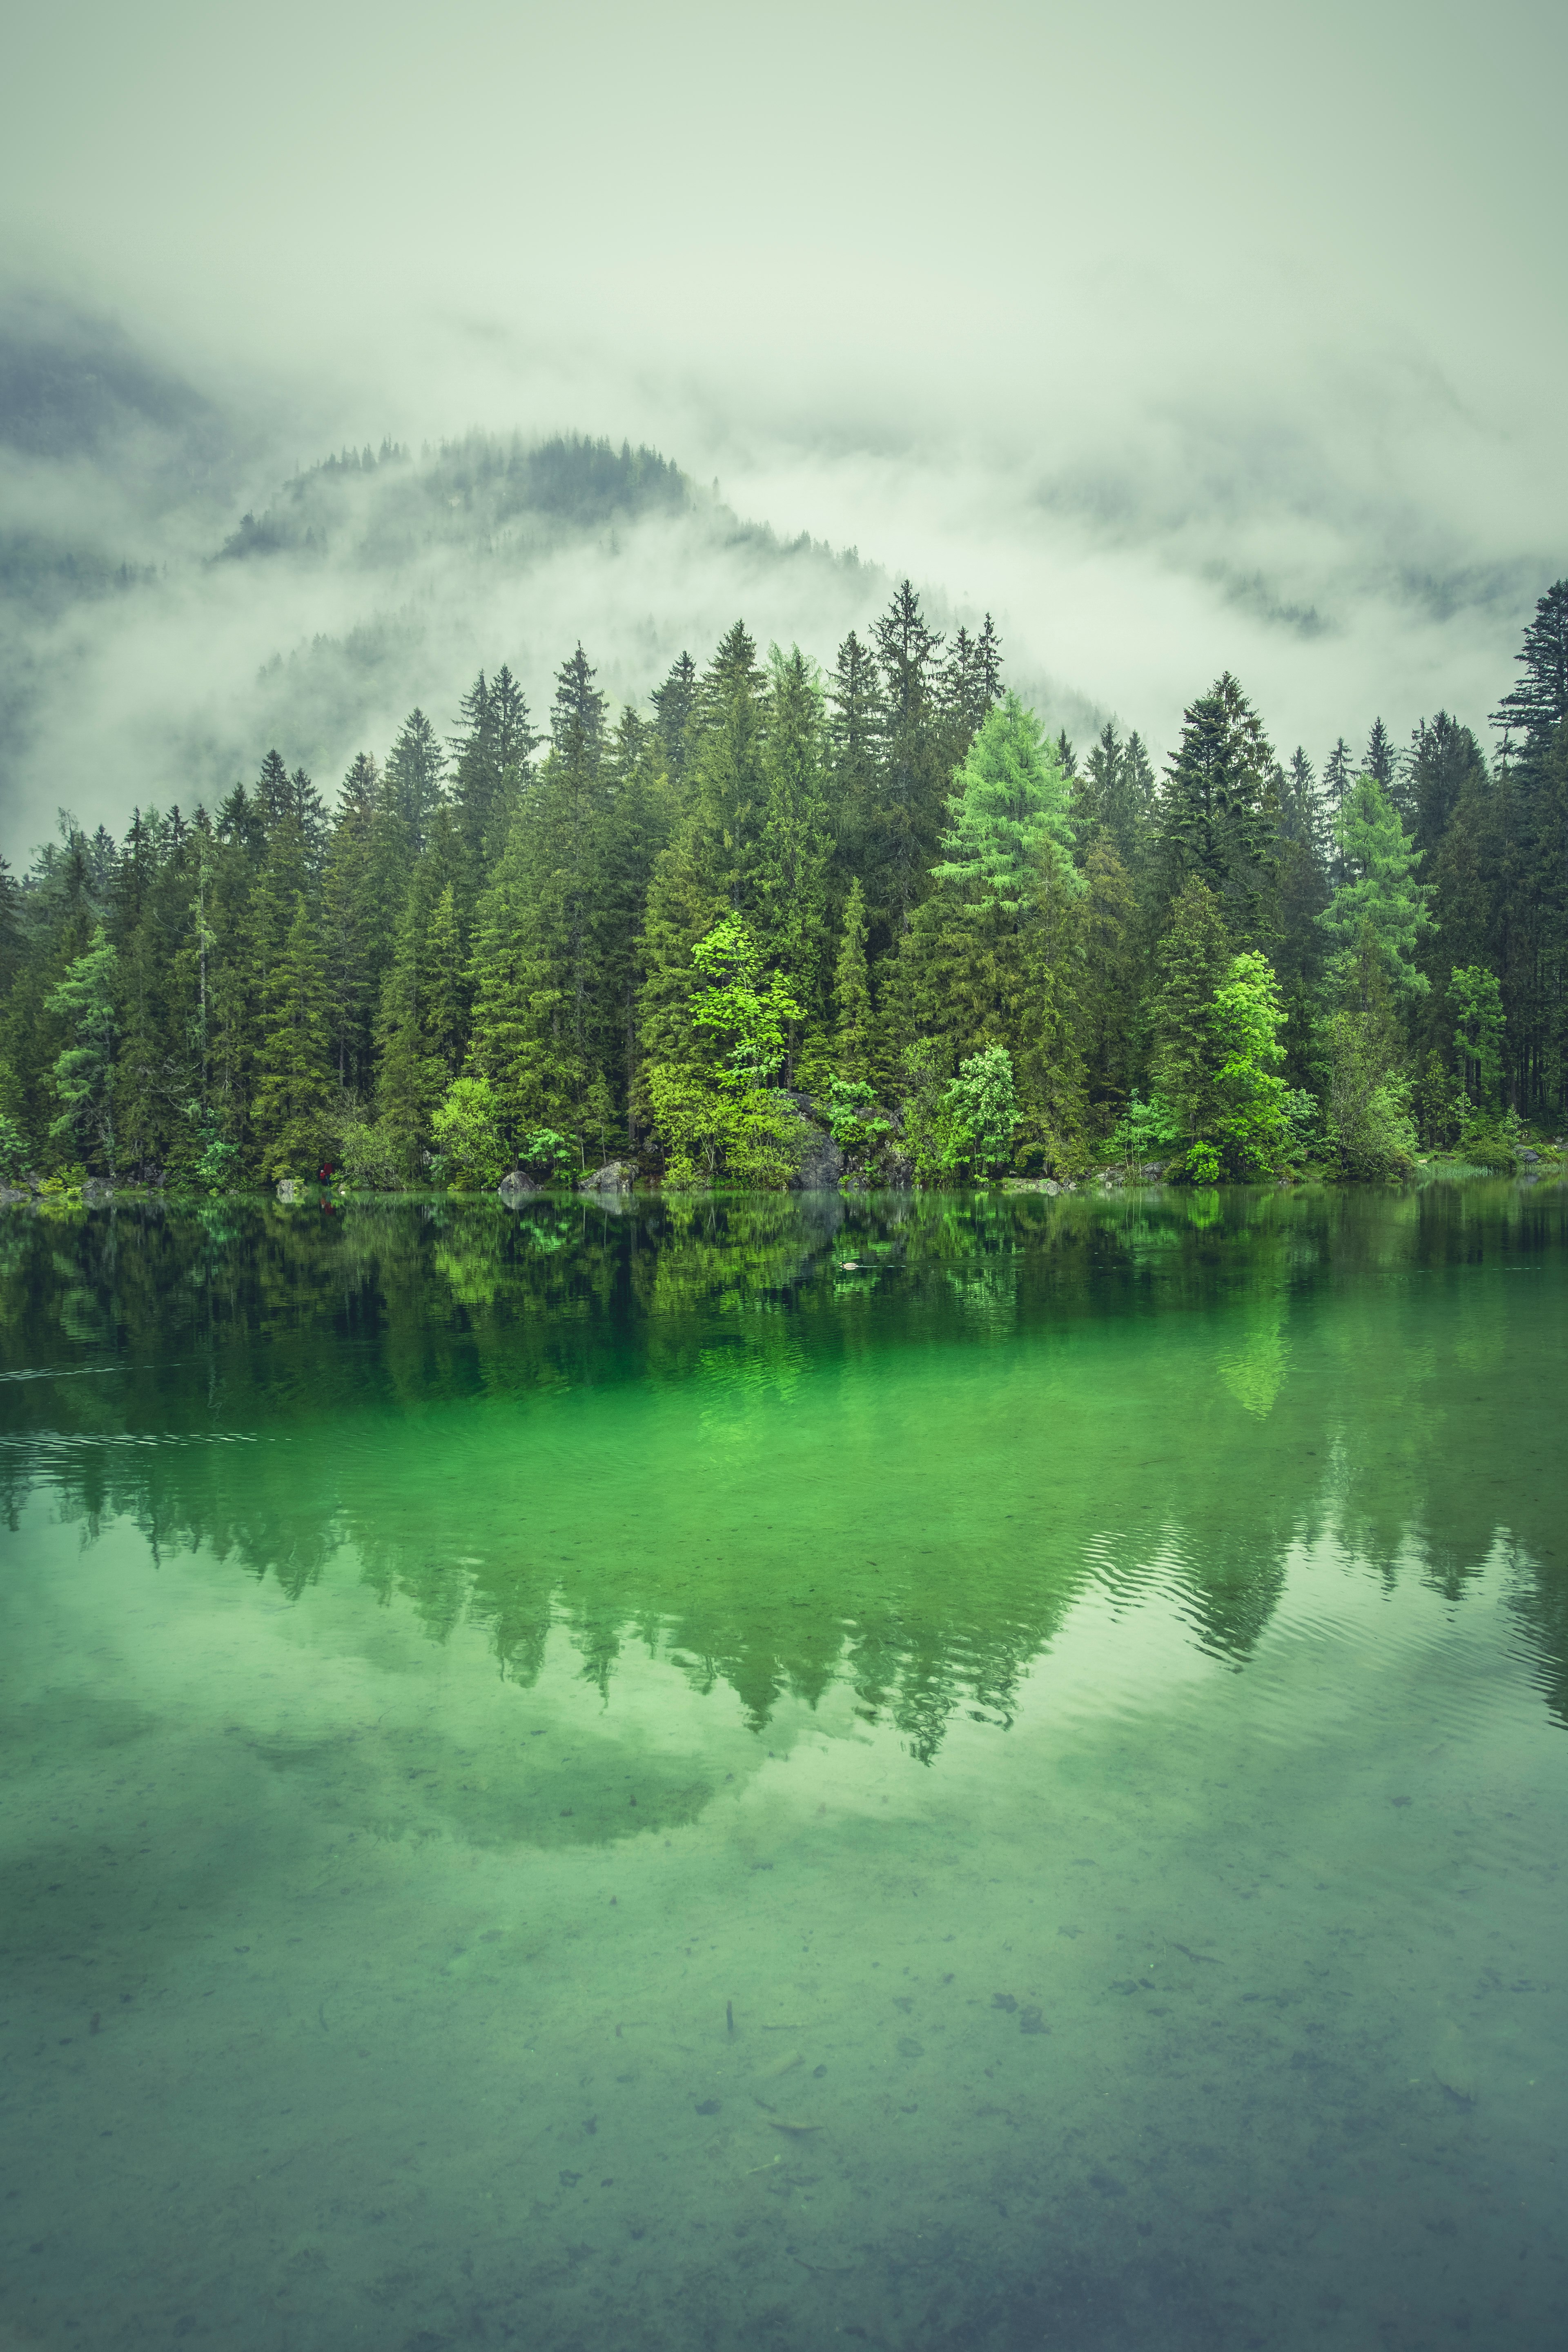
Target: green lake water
586, 1778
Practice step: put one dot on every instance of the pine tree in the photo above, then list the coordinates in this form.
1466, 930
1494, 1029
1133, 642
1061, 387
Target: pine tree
1443, 760
636, 817
853, 1037
793, 852
85, 998
728, 790
1379, 899
1112, 973
1194, 957
414, 788
674, 703
445, 1013
909, 815
1011, 802
1218, 816
1538, 705
345, 927
857, 739
294, 1077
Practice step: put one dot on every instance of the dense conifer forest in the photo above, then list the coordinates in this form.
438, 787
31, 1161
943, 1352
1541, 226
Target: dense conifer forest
878, 900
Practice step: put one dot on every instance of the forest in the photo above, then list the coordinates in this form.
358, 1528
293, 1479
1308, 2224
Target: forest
878, 902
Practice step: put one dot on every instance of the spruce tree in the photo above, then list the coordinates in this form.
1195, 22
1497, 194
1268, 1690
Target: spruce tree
793, 848
674, 702
414, 789
1380, 900
1218, 816
908, 817
1011, 804
854, 1034
1538, 705
85, 999
294, 1076
1194, 958
857, 740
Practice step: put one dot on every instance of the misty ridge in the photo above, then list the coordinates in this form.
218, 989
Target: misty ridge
172, 604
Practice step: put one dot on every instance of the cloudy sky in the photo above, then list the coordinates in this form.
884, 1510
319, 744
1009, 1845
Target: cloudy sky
1183, 337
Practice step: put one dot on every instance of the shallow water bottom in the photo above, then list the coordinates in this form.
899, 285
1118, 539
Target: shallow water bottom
375, 2000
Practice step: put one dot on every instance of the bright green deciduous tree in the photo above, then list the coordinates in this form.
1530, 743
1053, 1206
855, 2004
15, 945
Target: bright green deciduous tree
1252, 1121
979, 1112
743, 1014
466, 1133
84, 1073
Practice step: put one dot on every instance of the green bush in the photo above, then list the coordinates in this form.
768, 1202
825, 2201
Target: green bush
465, 1132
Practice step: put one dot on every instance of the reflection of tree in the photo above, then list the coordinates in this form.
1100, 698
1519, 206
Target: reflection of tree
400, 1383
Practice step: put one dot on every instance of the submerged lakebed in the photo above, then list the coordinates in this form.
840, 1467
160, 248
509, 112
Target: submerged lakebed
587, 1777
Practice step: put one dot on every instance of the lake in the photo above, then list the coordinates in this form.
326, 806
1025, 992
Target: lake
952, 1771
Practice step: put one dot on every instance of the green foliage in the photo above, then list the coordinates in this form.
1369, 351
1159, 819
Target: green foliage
1200, 1164
1379, 899
294, 1078
1253, 1124
1188, 1047
1010, 810
84, 1073
854, 1044
1476, 995
854, 1118
755, 1138
743, 1015
1146, 1132
465, 1132
547, 1154
979, 1113
14, 1160
851, 888
217, 1170
1218, 813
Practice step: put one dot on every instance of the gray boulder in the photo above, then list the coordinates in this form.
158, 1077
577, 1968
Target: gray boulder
515, 1186
616, 1176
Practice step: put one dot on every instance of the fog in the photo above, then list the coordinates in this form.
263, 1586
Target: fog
1179, 341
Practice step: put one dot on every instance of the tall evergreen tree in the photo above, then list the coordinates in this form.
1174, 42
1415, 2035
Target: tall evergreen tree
85, 999
415, 789
1218, 814
674, 702
294, 1076
909, 815
854, 1040
1194, 956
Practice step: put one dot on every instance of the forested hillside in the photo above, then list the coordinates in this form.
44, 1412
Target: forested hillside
877, 898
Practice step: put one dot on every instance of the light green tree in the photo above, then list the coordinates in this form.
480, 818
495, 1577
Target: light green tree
1252, 1124
465, 1132
1379, 896
1010, 799
979, 1113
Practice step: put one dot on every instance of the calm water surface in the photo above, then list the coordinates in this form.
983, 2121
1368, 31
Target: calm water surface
592, 1780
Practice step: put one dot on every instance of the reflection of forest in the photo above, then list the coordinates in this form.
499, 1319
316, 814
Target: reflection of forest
431, 1383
